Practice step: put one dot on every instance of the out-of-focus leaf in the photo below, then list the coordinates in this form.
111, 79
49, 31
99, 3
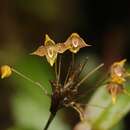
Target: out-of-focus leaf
108, 115
119, 126
20, 128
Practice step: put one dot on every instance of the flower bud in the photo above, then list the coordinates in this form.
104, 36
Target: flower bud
5, 71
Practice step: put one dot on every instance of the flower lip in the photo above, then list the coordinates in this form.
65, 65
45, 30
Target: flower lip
50, 52
75, 43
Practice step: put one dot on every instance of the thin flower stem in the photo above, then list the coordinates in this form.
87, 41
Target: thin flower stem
69, 69
30, 80
68, 72
80, 113
101, 82
89, 74
56, 73
73, 59
83, 65
59, 70
79, 109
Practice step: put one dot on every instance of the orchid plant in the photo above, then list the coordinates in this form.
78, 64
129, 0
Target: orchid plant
65, 94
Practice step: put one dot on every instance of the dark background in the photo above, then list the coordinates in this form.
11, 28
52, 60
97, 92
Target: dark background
104, 24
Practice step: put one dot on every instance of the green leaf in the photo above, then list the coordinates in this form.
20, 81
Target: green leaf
108, 115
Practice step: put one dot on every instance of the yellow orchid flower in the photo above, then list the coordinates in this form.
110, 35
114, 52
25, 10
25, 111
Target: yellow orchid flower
75, 42
49, 50
118, 75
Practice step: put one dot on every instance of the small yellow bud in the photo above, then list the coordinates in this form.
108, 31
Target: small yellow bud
5, 71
